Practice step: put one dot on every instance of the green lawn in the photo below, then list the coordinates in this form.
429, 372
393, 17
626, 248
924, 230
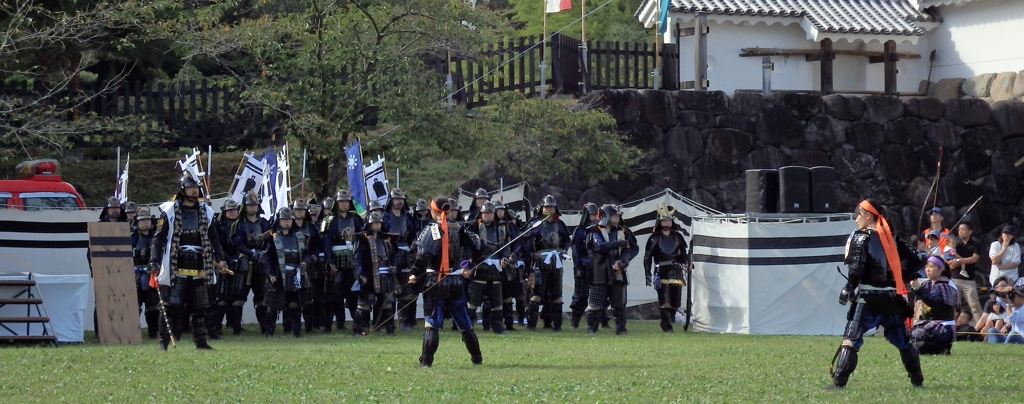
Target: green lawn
645, 366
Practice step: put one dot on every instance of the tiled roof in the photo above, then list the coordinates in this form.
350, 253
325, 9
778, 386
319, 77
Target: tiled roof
875, 17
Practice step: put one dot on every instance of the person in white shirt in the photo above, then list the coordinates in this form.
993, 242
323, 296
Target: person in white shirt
1005, 255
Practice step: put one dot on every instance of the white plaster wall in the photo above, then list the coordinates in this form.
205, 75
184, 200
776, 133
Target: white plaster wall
728, 72
979, 37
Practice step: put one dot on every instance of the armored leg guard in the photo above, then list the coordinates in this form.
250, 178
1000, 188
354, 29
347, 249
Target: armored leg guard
261, 317
531, 318
912, 363
389, 325
295, 314
507, 315
164, 336
485, 314
198, 324
845, 365
472, 317
666, 319
328, 317
495, 320
593, 318
620, 321
152, 322
473, 346
546, 313
574, 321
309, 314
235, 319
212, 325
430, 340
521, 310
604, 318
409, 315
360, 322
556, 316
269, 322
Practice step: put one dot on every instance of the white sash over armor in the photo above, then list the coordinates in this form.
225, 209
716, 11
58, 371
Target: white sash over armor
164, 277
550, 255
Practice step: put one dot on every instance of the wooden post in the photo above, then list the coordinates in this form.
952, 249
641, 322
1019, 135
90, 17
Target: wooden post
827, 56
700, 73
890, 67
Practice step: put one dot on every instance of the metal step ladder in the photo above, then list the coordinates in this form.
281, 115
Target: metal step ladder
30, 327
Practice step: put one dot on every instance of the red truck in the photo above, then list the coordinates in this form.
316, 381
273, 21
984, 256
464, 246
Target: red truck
38, 186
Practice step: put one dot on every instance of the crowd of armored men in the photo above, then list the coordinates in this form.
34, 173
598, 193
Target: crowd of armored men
313, 262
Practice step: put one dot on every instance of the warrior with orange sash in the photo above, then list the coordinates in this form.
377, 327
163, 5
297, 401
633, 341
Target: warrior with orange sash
879, 263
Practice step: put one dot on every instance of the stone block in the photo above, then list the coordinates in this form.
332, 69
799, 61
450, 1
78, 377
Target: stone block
825, 133
909, 131
899, 162
967, 111
623, 105
945, 135
978, 86
983, 138
844, 107
746, 103
729, 144
1008, 116
881, 109
801, 105
696, 119
923, 107
947, 88
657, 108
684, 144
777, 127
852, 165
865, 136
1002, 86
763, 157
1018, 86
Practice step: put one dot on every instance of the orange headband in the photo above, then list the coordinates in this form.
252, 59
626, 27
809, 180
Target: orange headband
443, 270
889, 246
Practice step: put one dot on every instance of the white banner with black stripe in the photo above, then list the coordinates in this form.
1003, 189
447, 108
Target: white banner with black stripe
769, 275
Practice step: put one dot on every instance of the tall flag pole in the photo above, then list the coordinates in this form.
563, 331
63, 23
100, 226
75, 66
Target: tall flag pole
660, 28
121, 193
583, 20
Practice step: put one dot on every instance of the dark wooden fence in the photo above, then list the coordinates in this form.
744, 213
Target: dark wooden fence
204, 113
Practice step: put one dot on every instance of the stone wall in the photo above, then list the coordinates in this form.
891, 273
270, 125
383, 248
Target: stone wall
991, 87
886, 148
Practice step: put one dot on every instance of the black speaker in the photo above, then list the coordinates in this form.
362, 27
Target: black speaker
763, 191
794, 189
823, 189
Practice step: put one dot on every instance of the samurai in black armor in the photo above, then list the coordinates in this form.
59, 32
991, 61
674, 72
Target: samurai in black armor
440, 249
184, 252
581, 265
375, 270
287, 279
398, 224
611, 247
222, 296
339, 250
549, 242
665, 259
486, 279
142, 239
251, 236
513, 274
312, 310
880, 264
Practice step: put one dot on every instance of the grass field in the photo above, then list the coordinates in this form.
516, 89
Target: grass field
645, 366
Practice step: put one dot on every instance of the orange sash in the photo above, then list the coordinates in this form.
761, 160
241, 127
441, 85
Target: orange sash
444, 267
889, 246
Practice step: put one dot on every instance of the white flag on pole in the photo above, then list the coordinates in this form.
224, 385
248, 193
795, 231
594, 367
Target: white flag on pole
376, 182
190, 166
121, 193
282, 187
249, 178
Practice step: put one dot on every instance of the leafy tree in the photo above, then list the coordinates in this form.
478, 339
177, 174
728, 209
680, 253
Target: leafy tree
46, 46
613, 22
325, 66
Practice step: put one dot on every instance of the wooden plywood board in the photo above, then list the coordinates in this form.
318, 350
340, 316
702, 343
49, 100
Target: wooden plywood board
113, 272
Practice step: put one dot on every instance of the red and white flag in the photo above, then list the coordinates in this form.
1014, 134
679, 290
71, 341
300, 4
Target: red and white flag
554, 6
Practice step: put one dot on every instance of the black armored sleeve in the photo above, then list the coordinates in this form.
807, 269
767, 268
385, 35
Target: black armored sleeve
156, 249
856, 258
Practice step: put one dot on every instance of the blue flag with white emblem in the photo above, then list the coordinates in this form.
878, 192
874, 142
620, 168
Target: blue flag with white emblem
356, 181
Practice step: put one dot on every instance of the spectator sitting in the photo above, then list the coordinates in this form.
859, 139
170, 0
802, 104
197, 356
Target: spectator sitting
1005, 255
964, 330
995, 309
933, 332
1012, 331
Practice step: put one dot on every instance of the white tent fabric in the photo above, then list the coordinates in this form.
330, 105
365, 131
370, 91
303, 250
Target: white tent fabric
769, 275
65, 301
